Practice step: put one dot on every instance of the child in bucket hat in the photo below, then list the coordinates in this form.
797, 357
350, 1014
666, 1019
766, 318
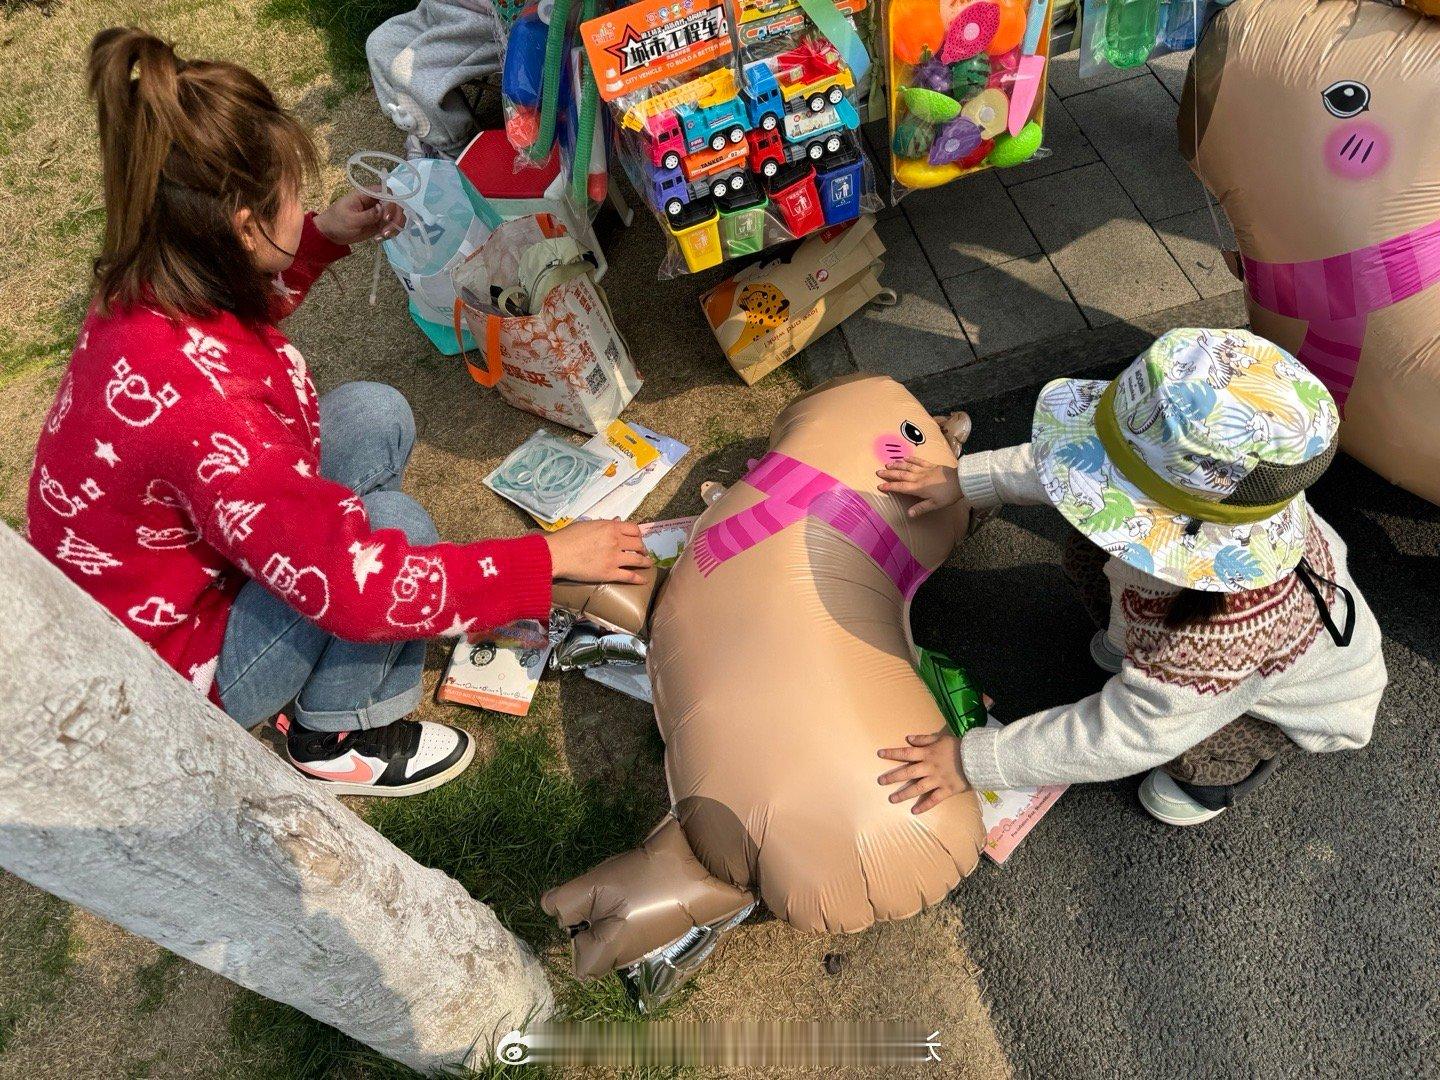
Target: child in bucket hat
1228, 614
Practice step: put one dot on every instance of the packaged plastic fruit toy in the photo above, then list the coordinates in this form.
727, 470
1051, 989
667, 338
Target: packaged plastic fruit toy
737, 122
967, 87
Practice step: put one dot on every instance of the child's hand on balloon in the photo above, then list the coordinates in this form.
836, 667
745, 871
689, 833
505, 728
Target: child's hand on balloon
354, 218
936, 486
931, 773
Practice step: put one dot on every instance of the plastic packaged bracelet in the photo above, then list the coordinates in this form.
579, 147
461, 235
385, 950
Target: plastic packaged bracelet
967, 87
545, 474
737, 123
1125, 34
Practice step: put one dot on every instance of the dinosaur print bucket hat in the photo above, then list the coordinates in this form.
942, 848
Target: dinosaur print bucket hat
1191, 464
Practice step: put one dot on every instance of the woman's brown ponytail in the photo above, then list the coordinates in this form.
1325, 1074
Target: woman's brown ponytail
185, 146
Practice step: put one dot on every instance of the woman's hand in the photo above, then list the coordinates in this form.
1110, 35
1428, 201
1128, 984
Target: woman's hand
598, 551
933, 770
934, 485
354, 218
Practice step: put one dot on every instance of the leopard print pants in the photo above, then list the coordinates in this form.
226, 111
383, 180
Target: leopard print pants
1228, 756
1231, 754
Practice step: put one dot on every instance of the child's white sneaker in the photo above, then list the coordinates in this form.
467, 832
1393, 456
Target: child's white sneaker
1106, 656
1166, 801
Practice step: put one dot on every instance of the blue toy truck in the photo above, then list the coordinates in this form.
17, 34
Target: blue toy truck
763, 98
815, 134
669, 189
715, 126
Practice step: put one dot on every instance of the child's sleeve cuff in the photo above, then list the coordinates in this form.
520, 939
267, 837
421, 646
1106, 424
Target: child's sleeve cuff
976, 482
979, 760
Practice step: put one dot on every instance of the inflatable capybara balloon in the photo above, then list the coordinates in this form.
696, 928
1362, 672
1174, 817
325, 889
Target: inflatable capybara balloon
1314, 122
781, 661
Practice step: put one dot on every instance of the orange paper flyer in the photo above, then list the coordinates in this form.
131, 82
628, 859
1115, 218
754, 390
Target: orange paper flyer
493, 675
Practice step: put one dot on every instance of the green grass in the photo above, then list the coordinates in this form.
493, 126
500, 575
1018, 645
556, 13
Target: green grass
36, 950
507, 830
86, 225
15, 120
719, 434
153, 980
52, 346
345, 23
18, 360
515, 827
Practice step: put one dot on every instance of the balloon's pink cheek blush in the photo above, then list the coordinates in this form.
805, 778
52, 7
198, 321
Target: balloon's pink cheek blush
890, 448
1357, 150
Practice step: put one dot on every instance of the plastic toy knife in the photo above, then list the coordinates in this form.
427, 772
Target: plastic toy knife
1030, 73
1034, 24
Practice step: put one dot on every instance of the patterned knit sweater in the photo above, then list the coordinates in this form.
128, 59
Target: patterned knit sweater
1268, 654
182, 457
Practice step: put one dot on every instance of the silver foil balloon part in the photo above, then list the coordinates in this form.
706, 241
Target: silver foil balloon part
561, 623
659, 975
580, 642
585, 648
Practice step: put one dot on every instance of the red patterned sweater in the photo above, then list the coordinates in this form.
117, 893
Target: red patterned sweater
182, 457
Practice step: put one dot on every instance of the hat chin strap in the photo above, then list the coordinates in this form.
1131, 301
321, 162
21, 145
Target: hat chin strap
1135, 469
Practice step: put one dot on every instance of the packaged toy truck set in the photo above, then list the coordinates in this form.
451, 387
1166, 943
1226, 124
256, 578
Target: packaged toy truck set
737, 120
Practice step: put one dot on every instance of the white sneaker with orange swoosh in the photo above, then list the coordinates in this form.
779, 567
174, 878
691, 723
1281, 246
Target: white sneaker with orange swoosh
403, 758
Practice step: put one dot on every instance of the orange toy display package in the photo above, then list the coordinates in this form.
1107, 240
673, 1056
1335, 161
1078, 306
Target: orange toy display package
967, 87
738, 121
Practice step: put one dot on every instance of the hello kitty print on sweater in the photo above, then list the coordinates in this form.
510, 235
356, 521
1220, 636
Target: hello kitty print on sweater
182, 458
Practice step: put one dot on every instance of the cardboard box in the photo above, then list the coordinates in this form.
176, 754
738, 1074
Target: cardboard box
768, 312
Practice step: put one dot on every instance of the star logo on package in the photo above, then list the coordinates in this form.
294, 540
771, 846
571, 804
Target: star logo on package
638, 48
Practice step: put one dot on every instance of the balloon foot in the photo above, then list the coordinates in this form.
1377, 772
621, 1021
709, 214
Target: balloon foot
659, 975
587, 649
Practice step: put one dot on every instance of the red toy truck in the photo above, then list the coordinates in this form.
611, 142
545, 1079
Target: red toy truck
664, 140
767, 151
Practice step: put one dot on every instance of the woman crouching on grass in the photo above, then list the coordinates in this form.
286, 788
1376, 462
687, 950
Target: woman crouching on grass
189, 479
1227, 612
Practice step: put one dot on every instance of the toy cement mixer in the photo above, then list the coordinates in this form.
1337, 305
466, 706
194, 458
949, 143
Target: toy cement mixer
1314, 125
781, 661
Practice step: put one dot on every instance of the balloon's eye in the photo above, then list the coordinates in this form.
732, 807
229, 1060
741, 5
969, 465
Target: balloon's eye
1346, 98
912, 433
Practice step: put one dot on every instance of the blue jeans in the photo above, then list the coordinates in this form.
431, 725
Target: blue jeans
272, 655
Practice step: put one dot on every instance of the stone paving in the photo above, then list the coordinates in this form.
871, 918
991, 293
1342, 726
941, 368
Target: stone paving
1102, 243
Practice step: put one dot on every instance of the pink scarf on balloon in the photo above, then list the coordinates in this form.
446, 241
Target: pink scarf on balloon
1336, 295
795, 491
